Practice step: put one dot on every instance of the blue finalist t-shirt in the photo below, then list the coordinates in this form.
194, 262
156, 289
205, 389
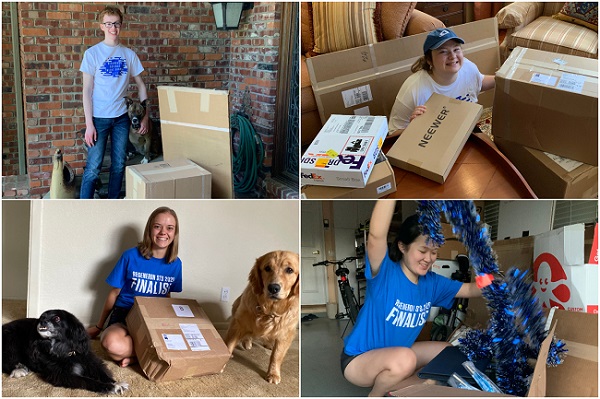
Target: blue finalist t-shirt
395, 308
138, 276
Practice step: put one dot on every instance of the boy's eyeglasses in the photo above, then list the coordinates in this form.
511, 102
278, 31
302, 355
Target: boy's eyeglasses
111, 24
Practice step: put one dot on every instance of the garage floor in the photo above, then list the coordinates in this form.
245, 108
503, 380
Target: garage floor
321, 345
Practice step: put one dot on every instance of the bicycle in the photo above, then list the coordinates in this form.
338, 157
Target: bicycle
348, 297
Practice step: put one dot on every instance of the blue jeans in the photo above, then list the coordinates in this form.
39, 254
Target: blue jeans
118, 130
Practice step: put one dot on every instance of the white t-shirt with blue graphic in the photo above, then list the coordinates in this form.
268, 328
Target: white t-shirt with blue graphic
138, 276
419, 86
111, 68
395, 308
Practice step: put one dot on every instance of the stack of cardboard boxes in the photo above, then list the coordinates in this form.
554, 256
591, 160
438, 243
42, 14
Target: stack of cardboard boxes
545, 120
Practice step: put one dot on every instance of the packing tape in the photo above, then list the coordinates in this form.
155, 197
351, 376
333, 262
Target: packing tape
160, 169
582, 351
204, 101
171, 101
195, 125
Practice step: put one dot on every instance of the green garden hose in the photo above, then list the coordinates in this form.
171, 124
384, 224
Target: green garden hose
249, 157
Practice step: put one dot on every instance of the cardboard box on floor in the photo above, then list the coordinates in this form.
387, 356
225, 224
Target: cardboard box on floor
381, 183
431, 143
551, 176
195, 125
174, 339
577, 376
344, 152
178, 178
365, 80
541, 95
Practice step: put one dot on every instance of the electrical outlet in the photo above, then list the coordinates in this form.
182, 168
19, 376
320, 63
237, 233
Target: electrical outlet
224, 294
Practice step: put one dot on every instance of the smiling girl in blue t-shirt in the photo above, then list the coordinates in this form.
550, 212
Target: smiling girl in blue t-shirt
381, 351
150, 269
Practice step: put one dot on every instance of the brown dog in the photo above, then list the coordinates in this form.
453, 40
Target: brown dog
268, 308
147, 143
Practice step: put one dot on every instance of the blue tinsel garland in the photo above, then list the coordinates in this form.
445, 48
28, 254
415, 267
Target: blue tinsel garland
517, 325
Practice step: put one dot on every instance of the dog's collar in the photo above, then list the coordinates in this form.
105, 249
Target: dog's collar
72, 353
261, 310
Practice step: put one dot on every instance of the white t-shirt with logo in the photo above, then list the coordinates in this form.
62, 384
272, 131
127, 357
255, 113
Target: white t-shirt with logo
419, 86
111, 68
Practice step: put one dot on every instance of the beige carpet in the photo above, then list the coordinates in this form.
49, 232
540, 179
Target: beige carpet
243, 376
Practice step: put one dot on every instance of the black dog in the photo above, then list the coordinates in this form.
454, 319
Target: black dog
57, 347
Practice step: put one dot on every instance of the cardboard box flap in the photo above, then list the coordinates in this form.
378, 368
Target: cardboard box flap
195, 125
366, 79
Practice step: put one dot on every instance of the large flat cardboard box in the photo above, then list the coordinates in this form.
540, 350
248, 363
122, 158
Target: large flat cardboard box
344, 152
549, 102
381, 183
576, 377
551, 176
431, 143
178, 178
174, 339
365, 80
195, 125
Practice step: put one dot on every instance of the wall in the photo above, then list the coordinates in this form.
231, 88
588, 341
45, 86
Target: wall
177, 43
15, 249
75, 245
515, 217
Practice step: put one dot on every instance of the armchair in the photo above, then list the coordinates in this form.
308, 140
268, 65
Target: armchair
543, 26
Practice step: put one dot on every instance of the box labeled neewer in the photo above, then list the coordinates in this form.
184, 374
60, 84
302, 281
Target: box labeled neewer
541, 95
174, 339
178, 178
431, 143
344, 152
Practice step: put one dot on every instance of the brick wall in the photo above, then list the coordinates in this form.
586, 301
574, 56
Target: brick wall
177, 43
10, 160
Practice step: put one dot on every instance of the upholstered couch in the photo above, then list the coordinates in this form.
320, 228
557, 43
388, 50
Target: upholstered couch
329, 27
550, 27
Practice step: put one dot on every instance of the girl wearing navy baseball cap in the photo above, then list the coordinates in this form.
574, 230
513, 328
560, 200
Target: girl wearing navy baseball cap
442, 69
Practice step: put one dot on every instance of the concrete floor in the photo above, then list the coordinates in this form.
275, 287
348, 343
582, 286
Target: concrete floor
321, 345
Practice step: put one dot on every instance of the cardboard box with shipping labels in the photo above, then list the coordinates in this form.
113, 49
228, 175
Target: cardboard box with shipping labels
381, 183
178, 178
174, 339
344, 152
549, 102
431, 143
365, 80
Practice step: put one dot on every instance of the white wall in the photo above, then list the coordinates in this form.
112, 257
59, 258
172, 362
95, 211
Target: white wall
515, 217
75, 244
15, 248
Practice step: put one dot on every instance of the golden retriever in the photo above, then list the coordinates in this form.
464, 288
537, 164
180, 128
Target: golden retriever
268, 308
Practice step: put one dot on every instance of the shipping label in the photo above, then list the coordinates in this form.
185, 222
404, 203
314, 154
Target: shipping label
357, 95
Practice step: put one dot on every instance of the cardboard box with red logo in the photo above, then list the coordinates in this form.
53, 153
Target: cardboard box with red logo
344, 152
561, 275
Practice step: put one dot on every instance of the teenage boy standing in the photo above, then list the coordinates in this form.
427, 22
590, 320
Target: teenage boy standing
107, 68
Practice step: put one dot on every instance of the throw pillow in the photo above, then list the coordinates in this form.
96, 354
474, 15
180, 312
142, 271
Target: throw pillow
341, 26
394, 18
584, 14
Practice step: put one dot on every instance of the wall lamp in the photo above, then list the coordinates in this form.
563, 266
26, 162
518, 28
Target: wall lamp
228, 14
